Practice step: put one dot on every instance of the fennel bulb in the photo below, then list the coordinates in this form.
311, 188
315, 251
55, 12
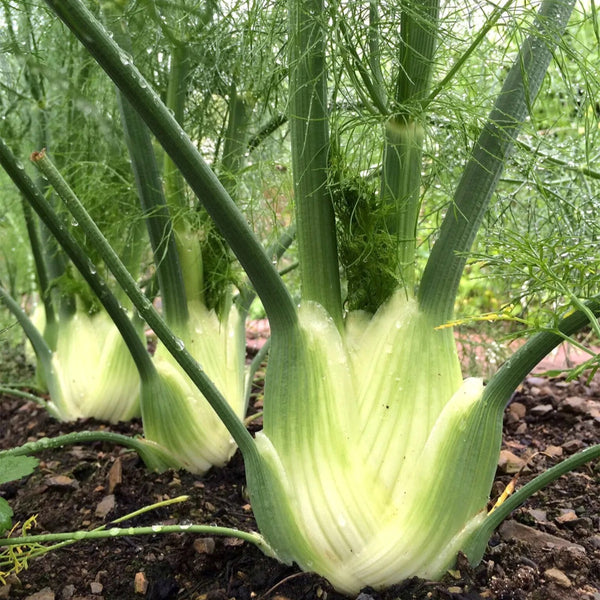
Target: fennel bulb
175, 413
377, 459
93, 373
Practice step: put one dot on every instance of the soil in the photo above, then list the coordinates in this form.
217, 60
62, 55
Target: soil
549, 549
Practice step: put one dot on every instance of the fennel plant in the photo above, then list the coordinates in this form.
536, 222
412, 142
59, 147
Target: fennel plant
81, 358
376, 458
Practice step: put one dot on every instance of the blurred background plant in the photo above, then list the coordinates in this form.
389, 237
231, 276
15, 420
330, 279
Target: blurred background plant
235, 93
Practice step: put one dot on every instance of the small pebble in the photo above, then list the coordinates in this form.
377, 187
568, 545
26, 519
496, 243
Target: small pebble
572, 445
509, 462
67, 592
538, 514
517, 409
61, 482
140, 583
558, 577
595, 541
44, 594
96, 587
566, 515
521, 429
541, 409
204, 545
574, 404
554, 451
105, 506
536, 380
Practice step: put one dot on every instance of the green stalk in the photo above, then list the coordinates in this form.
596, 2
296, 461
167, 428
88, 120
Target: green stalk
149, 184
99, 534
375, 52
35, 241
506, 380
154, 456
444, 268
41, 254
36, 550
275, 251
476, 546
57, 267
176, 96
156, 214
173, 344
31, 397
355, 66
581, 169
189, 247
154, 205
235, 145
309, 118
401, 192
230, 221
42, 349
403, 147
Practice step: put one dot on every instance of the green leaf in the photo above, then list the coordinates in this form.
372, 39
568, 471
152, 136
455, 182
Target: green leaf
6, 514
15, 467
11, 468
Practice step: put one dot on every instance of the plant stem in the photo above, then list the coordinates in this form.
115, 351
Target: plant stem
309, 129
156, 213
175, 101
75, 536
515, 369
567, 165
477, 544
41, 271
374, 58
39, 401
42, 351
236, 136
152, 198
231, 222
444, 268
153, 455
403, 147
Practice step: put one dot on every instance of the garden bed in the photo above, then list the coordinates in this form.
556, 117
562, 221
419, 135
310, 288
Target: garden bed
550, 549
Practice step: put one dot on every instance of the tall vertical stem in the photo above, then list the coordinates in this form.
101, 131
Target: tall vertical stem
150, 192
401, 175
441, 278
315, 220
175, 101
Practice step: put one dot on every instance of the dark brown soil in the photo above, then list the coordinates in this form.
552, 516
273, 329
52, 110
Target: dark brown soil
547, 419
